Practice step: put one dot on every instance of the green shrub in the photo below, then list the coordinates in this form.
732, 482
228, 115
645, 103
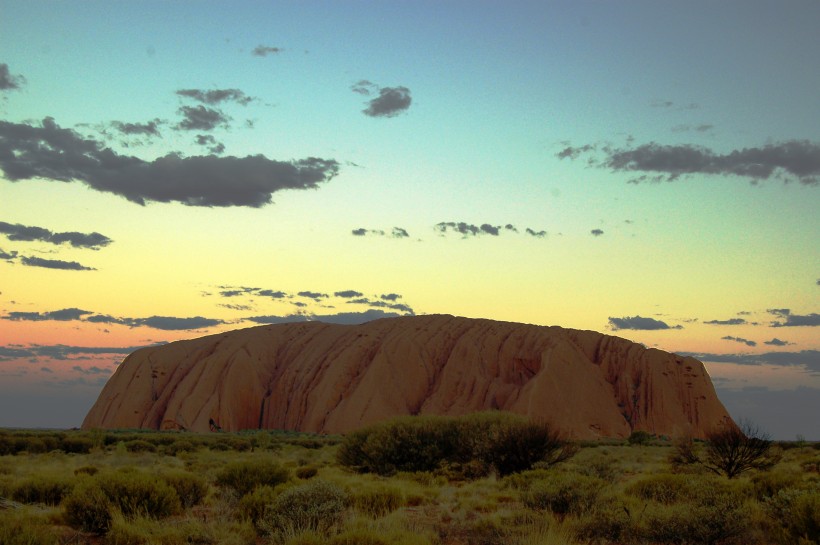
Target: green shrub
252, 506
377, 502
48, 489
663, 488
136, 493
640, 437
76, 444
461, 447
795, 514
25, 529
316, 506
306, 472
564, 494
243, 477
138, 445
86, 470
182, 445
88, 508
191, 489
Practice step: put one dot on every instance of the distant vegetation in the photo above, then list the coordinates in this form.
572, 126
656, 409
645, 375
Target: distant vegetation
484, 479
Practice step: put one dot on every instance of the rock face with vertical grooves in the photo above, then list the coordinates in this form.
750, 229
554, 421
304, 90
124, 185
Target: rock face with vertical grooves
319, 377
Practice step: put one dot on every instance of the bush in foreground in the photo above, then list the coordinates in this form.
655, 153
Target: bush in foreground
316, 506
243, 477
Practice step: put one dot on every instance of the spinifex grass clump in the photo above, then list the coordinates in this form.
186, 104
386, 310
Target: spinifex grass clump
471, 446
316, 506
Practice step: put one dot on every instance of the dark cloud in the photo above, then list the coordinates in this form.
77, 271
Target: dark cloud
350, 318
143, 129
216, 96
61, 351
210, 142
235, 291
596, 232
264, 50
730, 321
7, 256
639, 322
93, 370
200, 118
236, 307
739, 340
398, 232
58, 154
468, 229
536, 234
360, 232
167, 323
347, 294
794, 320
390, 296
808, 358
33, 261
9, 82
661, 103
66, 314
391, 102
382, 304
272, 294
316, 296
30, 233
777, 342
791, 160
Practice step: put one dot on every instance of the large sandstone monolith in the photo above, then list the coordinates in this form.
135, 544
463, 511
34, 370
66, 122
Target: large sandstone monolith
319, 377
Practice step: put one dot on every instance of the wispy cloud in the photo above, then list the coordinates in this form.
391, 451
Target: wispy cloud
200, 118
33, 261
8, 82
216, 96
19, 232
739, 340
790, 160
730, 321
167, 323
350, 318
62, 351
265, 50
53, 153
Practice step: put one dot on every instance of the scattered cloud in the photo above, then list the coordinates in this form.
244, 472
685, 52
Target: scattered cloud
316, 296
216, 96
467, 229
58, 154
350, 318
142, 129
347, 294
7, 256
787, 319
730, 321
639, 323
265, 50
93, 370
61, 351
739, 340
210, 142
398, 232
791, 160
390, 296
596, 232
777, 342
703, 127
388, 102
20, 232
200, 118
66, 314
536, 234
166, 323
382, 304
9, 82
33, 261
361, 232
808, 358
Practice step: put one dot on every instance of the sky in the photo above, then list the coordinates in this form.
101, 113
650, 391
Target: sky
645, 169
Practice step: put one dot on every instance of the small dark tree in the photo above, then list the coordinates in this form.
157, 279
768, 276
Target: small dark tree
733, 450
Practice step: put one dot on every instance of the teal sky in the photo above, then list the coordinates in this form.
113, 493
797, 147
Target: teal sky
653, 161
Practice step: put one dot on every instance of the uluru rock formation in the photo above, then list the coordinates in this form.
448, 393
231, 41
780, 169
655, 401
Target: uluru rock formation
319, 377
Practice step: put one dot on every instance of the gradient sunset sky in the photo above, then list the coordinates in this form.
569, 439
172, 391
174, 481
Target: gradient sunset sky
645, 169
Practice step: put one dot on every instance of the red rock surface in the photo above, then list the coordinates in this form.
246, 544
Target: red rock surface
319, 377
